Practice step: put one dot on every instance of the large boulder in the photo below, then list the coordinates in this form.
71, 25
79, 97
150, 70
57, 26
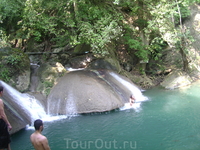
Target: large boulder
48, 75
88, 91
22, 81
106, 63
176, 79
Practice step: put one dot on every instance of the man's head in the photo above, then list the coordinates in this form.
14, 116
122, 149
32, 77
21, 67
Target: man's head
38, 124
132, 97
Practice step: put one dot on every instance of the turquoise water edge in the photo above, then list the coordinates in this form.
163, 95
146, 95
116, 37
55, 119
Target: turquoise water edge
168, 120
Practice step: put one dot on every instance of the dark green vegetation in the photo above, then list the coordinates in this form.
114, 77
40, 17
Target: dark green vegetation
138, 26
13, 61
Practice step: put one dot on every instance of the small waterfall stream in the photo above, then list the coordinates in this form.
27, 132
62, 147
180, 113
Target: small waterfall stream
71, 105
133, 88
25, 103
135, 91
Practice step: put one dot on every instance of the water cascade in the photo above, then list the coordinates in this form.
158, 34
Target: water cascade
71, 106
133, 88
24, 104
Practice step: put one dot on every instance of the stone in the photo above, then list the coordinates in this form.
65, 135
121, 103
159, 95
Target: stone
87, 91
48, 74
176, 79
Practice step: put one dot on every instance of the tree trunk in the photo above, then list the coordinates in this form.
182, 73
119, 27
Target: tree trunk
183, 42
184, 56
142, 34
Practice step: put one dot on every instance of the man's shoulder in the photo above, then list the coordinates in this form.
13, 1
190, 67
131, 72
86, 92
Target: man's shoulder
38, 136
43, 137
32, 135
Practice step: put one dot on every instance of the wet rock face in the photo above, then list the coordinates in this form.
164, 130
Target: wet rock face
16, 121
21, 108
87, 91
15, 113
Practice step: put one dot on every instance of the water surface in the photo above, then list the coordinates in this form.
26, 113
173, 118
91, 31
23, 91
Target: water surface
169, 120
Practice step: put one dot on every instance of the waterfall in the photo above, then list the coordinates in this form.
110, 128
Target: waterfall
71, 105
27, 103
57, 104
135, 91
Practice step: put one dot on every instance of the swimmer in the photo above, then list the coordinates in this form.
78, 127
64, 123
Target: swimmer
131, 100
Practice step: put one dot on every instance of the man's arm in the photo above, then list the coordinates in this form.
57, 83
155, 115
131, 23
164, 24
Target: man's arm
45, 144
3, 115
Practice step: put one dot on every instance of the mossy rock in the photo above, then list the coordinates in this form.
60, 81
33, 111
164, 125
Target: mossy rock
141, 80
14, 66
106, 63
82, 48
49, 73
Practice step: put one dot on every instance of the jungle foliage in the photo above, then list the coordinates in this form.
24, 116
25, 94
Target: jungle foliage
144, 25
13, 61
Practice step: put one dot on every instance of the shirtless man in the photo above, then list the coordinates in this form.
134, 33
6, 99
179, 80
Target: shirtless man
4, 126
38, 140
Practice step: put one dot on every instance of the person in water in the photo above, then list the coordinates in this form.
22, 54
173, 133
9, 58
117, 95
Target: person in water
4, 126
132, 100
38, 140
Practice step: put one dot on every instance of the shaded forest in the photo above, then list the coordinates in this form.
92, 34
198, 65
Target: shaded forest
142, 29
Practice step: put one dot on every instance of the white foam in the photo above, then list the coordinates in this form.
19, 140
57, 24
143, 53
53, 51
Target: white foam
53, 118
49, 119
30, 127
73, 69
135, 106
